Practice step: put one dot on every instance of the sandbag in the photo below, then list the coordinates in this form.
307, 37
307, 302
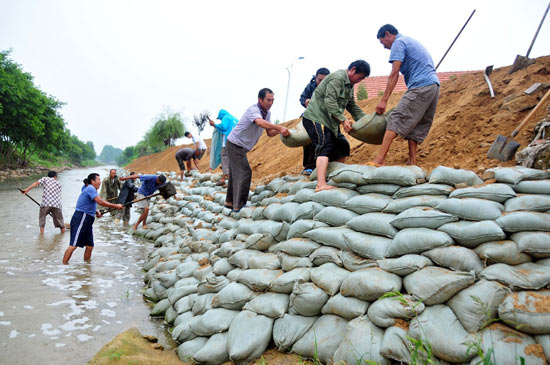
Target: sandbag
477, 306
273, 305
386, 189
299, 227
182, 318
396, 345
227, 249
536, 244
241, 258
472, 234
325, 254
455, 258
212, 284
222, 267
214, 350
398, 175
384, 312
472, 209
248, 336
532, 202
307, 299
353, 262
329, 277
366, 245
509, 346
514, 175
233, 296
505, 252
258, 279
185, 304
323, 338
374, 223
405, 264
233, 275
370, 128
449, 176
285, 282
260, 241
275, 184
307, 210
331, 236
213, 321
284, 212
524, 221
495, 192
422, 217
187, 350
436, 285
345, 307
170, 315
304, 195
298, 137
362, 342
334, 216
422, 189
333, 197
367, 203
529, 311
202, 304
264, 261
400, 205
289, 329
350, 174
524, 276
544, 341
159, 308
439, 326
181, 291
370, 284
533, 187
417, 240
289, 263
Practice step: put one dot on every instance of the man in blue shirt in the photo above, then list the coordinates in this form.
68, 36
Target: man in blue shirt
83, 218
226, 125
413, 116
149, 184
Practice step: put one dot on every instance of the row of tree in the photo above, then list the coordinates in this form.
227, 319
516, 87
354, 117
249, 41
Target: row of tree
30, 123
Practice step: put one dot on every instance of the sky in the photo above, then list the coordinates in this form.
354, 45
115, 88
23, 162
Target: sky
117, 64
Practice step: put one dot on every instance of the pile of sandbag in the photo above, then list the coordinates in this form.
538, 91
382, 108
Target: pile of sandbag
391, 258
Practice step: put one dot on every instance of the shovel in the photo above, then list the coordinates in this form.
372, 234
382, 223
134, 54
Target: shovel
67, 225
167, 190
504, 148
488, 71
522, 62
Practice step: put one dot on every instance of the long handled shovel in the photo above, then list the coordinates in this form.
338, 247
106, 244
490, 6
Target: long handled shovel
31, 198
167, 190
504, 148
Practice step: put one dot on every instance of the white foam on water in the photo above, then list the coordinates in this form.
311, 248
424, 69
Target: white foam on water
32, 335
8, 234
69, 334
75, 309
111, 304
1, 314
1, 291
83, 337
54, 338
28, 307
5, 323
13, 334
73, 285
104, 283
4, 261
96, 328
107, 313
10, 273
73, 325
48, 331
78, 296
28, 226
106, 322
119, 322
59, 344
89, 304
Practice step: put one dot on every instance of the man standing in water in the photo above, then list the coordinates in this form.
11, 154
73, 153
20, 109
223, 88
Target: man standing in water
51, 201
83, 218
127, 194
149, 184
110, 187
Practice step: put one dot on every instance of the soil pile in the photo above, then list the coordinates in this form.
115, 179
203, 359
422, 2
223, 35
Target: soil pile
466, 123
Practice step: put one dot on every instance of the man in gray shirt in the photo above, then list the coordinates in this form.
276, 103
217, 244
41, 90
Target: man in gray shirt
241, 140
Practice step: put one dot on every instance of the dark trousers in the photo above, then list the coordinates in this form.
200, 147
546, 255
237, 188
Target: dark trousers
309, 157
240, 176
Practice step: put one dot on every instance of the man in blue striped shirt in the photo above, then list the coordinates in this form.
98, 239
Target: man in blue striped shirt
413, 116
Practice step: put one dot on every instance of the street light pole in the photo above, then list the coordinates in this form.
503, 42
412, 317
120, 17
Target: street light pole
289, 70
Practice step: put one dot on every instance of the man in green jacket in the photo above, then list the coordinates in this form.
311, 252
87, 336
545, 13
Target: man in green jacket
325, 114
110, 188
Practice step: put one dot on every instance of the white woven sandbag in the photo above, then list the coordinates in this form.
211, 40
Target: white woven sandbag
472, 209
345, 307
505, 252
296, 247
353, 262
325, 254
449, 176
214, 350
335, 216
422, 217
384, 312
417, 240
514, 175
536, 244
329, 277
455, 258
258, 279
233, 296
298, 137
370, 128
366, 245
307, 210
524, 276
289, 329
436, 285
495, 192
370, 284
472, 234
213, 321
307, 299
398, 175
405, 264
285, 282
529, 311
248, 336
350, 174
331, 236
187, 350
400, 205
423, 189
386, 189
531, 202
367, 203
374, 223
533, 187
273, 305
333, 197
524, 221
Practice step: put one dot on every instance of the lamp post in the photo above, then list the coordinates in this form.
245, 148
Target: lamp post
289, 70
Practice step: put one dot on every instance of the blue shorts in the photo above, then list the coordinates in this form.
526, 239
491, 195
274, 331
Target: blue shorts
82, 230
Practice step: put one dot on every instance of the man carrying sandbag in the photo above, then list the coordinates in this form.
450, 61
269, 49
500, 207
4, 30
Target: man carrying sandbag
325, 114
309, 151
413, 116
241, 140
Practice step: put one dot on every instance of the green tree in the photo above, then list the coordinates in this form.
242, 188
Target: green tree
166, 129
362, 93
109, 154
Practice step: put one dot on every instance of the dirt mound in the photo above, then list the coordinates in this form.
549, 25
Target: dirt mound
466, 123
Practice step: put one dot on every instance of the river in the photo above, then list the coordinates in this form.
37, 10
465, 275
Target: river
63, 314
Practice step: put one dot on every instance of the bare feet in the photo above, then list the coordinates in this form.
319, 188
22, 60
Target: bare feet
145, 226
321, 187
375, 164
63, 230
134, 227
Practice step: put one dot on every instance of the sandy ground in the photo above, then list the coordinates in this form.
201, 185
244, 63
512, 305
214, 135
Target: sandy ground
467, 122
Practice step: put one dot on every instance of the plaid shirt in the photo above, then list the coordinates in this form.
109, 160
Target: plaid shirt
51, 197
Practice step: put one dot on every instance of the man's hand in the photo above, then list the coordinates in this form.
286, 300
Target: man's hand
307, 102
346, 124
381, 107
119, 206
98, 214
211, 122
285, 132
25, 191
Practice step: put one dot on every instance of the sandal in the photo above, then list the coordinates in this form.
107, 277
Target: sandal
371, 163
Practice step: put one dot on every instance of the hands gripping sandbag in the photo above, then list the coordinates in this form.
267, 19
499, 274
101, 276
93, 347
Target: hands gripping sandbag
298, 137
370, 128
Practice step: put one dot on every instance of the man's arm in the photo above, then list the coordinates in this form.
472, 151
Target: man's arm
306, 96
271, 129
196, 163
134, 176
104, 203
355, 111
32, 186
331, 103
390, 85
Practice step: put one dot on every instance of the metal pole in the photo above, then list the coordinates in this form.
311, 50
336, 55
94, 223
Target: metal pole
537, 33
289, 70
458, 35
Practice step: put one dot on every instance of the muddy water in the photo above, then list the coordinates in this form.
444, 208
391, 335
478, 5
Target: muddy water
56, 314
